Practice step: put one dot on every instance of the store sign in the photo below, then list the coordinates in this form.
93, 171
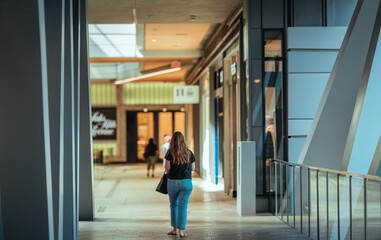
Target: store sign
103, 123
185, 94
233, 68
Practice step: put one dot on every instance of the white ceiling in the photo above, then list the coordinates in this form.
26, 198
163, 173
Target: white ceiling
160, 11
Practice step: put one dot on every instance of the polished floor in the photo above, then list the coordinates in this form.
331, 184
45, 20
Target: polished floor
127, 207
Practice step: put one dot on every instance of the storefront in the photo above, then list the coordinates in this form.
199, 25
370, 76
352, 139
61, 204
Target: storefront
141, 111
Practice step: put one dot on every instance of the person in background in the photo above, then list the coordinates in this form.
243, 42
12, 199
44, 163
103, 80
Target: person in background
165, 147
179, 163
150, 155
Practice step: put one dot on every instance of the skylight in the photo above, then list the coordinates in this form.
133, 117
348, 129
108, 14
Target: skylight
112, 40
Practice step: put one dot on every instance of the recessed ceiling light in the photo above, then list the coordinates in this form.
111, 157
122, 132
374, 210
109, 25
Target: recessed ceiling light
179, 44
145, 110
164, 109
154, 40
182, 109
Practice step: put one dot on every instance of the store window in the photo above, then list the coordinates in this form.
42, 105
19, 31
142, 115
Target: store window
145, 131
307, 13
321, 12
273, 99
339, 12
218, 78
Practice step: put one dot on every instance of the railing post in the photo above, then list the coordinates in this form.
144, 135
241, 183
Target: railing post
293, 193
281, 190
301, 199
327, 199
338, 206
309, 200
287, 193
317, 204
365, 208
350, 208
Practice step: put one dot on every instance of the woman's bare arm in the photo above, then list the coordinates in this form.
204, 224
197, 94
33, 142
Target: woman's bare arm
167, 165
193, 166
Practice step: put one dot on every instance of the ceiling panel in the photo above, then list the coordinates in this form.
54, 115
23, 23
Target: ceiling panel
160, 11
186, 36
110, 11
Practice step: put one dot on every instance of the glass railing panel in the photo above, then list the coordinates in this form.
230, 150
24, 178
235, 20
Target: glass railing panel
322, 206
327, 204
288, 198
333, 205
276, 188
298, 196
281, 191
313, 203
291, 189
357, 208
373, 209
344, 206
304, 177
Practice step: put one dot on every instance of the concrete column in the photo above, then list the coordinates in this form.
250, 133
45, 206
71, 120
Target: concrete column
76, 89
25, 164
54, 12
86, 199
69, 217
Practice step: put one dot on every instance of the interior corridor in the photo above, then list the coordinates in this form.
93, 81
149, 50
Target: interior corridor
128, 207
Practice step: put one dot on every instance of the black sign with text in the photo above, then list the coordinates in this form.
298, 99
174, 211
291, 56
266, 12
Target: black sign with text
103, 123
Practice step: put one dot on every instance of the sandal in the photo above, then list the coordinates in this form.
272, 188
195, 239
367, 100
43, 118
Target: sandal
182, 235
171, 233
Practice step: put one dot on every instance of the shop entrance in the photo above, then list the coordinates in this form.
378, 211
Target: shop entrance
141, 126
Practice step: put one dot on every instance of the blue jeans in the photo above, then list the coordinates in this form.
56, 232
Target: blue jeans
179, 191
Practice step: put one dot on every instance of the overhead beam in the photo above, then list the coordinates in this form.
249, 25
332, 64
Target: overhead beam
136, 59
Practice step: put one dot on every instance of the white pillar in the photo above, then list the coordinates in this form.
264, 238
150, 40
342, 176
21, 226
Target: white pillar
246, 179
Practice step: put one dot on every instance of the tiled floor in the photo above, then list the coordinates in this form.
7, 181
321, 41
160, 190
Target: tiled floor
127, 207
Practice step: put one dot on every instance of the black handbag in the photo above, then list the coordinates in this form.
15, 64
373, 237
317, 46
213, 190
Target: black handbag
162, 187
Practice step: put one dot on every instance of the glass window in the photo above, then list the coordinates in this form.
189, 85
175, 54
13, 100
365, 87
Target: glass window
145, 131
165, 128
307, 13
273, 99
339, 12
180, 122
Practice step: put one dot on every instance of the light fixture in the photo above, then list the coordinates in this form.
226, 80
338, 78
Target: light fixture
182, 109
179, 44
127, 80
257, 80
154, 40
164, 109
145, 109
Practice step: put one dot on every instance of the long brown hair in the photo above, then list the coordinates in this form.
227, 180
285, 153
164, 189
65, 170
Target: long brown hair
178, 149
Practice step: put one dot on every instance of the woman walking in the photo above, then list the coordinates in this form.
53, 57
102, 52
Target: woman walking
180, 163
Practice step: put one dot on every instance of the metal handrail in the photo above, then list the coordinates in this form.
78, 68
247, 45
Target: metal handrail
286, 193
343, 173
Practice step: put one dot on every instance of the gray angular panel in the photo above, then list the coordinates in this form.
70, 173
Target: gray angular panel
304, 93
315, 37
339, 110
305, 61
